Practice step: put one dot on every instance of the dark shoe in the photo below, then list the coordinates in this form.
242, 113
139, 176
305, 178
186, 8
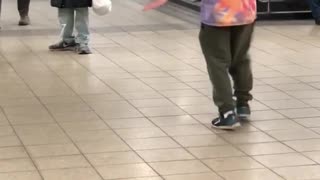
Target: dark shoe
318, 21
244, 112
63, 46
226, 121
83, 49
24, 21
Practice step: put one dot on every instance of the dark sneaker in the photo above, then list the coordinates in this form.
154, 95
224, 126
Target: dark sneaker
83, 50
318, 21
24, 21
62, 46
226, 121
244, 112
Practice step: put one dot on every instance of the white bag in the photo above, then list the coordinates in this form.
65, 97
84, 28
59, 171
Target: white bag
102, 7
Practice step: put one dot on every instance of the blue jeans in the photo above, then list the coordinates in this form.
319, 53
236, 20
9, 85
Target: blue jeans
315, 7
78, 18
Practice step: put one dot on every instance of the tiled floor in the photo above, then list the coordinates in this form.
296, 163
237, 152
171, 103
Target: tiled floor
139, 108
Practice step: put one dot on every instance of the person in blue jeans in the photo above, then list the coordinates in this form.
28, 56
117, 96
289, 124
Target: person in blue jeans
73, 13
315, 7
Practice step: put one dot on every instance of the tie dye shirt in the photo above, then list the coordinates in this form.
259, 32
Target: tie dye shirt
228, 12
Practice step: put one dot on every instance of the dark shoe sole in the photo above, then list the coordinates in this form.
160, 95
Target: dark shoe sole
63, 49
84, 53
244, 117
233, 127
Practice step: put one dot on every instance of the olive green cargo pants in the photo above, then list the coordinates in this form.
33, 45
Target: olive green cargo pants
226, 53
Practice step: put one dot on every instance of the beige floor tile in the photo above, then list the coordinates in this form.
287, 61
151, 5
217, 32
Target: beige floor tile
91, 136
165, 155
265, 148
285, 104
305, 145
147, 103
301, 113
30, 119
61, 100
266, 115
71, 174
136, 133
244, 138
141, 95
101, 98
276, 125
256, 174
62, 108
283, 160
269, 96
294, 134
185, 101
84, 126
130, 123
41, 134
315, 156
3, 119
200, 140
106, 145
180, 93
162, 111
126, 171
13, 102
215, 152
312, 102
103, 159
152, 143
202, 176
7, 141
173, 120
6, 131
12, 153
232, 164
200, 109
186, 130
300, 172
52, 150
145, 178
16, 165
31, 175
117, 113
179, 167
309, 122
61, 162
77, 116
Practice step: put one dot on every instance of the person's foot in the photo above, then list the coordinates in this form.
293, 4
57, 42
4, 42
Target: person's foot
62, 46
227, 121
243, 112
317, 21
24, 21
83, 49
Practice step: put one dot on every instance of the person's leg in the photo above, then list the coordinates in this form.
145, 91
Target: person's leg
82, 27
240, 69
216, 47
23, 8
315, 8
66, 18
215, 43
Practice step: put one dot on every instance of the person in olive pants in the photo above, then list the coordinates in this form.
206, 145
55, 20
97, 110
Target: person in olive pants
23, 8
226, 52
